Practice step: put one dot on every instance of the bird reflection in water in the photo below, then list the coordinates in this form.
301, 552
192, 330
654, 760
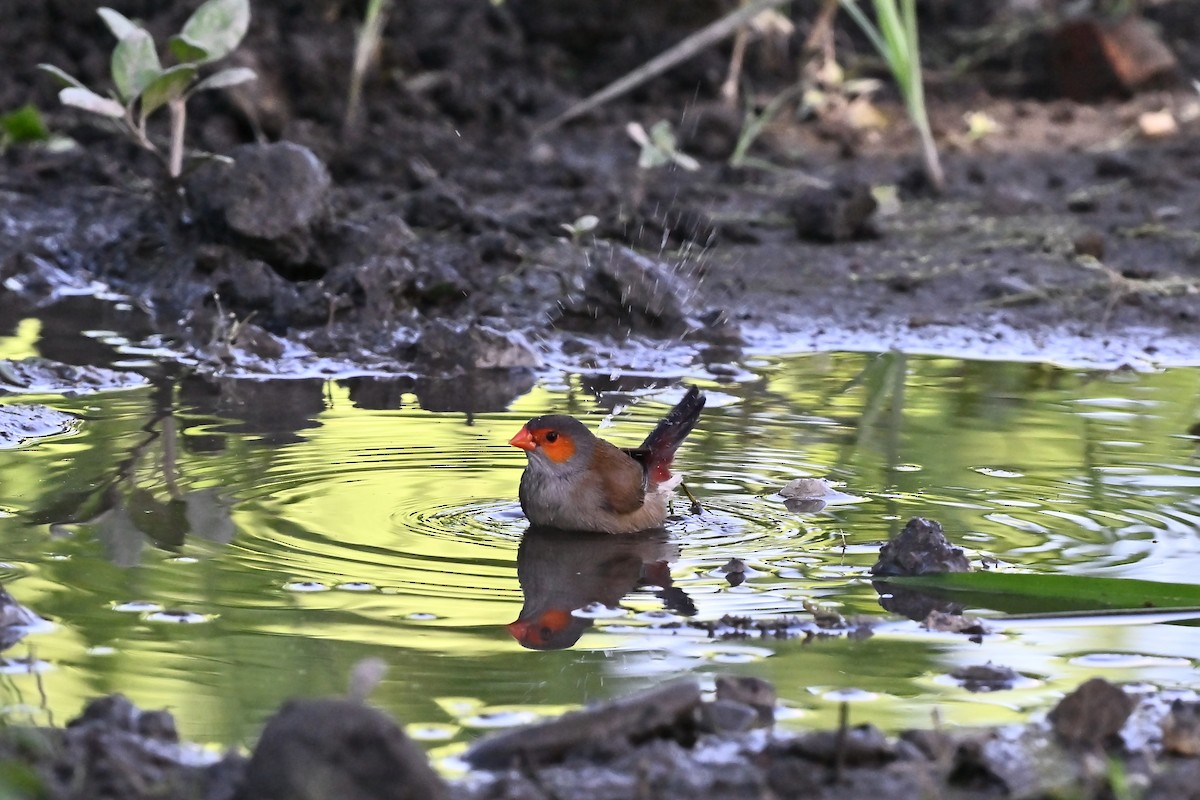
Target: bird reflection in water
561, 571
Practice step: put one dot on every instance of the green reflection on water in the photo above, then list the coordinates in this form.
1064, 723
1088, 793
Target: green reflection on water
310, 533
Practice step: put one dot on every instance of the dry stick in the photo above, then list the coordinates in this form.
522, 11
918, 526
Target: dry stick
693, 44
729, 89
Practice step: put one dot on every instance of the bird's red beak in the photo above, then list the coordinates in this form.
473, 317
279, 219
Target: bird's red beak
523, 439
519, 630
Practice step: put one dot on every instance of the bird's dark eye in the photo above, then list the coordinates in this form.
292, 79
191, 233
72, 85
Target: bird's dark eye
552, 437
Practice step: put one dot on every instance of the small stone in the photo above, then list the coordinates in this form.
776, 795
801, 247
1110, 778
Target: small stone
631, 292
727, 716
838, 214
318, 749
1092, 714
920, 549
986, 677
270, 199
446, 348
756, 693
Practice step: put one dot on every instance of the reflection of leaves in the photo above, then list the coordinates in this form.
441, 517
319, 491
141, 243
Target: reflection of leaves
209, 515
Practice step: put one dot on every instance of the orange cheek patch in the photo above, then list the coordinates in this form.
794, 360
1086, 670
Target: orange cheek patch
558, 451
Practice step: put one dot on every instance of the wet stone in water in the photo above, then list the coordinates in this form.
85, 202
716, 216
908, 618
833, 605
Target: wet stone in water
1092, 714
986, 677
920, 549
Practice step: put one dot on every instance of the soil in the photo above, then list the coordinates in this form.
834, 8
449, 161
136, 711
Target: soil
1062, 231
427, 237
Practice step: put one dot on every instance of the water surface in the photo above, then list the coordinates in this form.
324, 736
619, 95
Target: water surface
215, 547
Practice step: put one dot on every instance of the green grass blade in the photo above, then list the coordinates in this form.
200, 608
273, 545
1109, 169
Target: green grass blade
1029, 593
868, 27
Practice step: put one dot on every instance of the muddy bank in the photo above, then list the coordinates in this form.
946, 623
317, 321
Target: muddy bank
1060, 232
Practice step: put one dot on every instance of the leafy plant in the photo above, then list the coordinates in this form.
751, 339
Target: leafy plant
894, 35
581, 226
659, 147
22, 125
143, 85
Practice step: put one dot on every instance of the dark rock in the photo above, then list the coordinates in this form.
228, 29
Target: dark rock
1092, 714
727, 716
327, 748
1176, 781
986, 677
250, 285
710, 130
448, 349
757, 693
374, 229
859, 746
920, 549
993, 765
270, 200
439, 207
113, 749
629, 292
667, 711
837, 214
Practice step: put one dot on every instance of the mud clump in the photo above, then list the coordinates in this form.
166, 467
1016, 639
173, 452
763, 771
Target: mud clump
269, 200
624, 290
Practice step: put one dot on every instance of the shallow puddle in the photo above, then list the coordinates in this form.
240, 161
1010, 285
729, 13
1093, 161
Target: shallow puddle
217, 547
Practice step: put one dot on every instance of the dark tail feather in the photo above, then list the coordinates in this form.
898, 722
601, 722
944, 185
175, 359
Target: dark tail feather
657, 452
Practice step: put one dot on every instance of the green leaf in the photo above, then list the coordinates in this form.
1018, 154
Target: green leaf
118, 23
63, 77
217, 27
88, 100
24, 125
134, 64
186, 51
172, 83
1029, 593
226, 78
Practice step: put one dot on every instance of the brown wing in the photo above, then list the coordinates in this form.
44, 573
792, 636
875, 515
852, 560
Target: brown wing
624, 490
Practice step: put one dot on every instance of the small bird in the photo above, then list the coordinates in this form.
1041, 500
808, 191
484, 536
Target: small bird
576, 481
